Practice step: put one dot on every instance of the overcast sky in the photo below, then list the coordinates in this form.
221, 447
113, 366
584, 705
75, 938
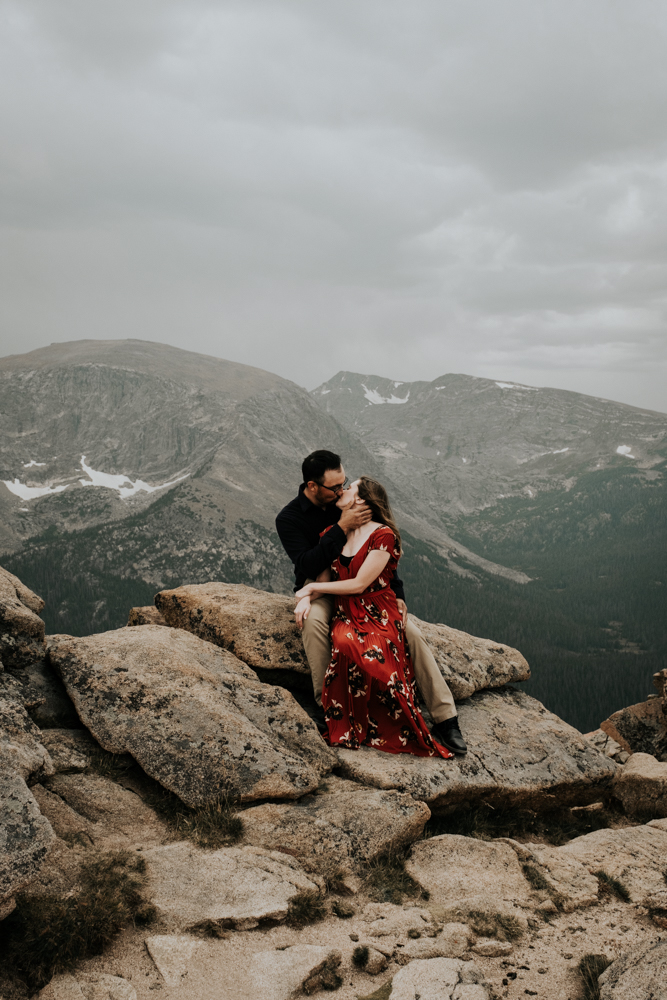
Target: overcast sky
402, 188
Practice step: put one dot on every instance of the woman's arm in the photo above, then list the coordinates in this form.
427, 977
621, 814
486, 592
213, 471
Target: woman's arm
370, 569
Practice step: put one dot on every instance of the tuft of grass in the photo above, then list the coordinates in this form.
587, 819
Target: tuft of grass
342, 909
360, 956
609, 886
46, 935
334, 877
216, 824
116, 766
414, 933
306, 907
327, 978
383, 993
502, 926
590, 968
485, 822
387, 881
664, 875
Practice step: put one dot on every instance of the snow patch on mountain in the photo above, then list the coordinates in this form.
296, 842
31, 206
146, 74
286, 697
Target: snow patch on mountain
625, 450
373, 396
512, 385
125, 486
30, 492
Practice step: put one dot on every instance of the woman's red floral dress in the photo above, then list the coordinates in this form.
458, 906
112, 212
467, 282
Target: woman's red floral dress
369, 689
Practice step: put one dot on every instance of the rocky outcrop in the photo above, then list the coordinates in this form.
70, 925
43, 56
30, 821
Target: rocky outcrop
441, 978
519, 754
639, 975
145, 616
21, 750
606, 745
45, 698
260, 629
344, 823
21, 628
641, 786
232, 887
256, 626
69, 749
470, 664
25, 835
192, 715
640, 728
634, 855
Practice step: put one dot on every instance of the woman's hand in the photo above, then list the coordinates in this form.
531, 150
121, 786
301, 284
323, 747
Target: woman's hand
302, 610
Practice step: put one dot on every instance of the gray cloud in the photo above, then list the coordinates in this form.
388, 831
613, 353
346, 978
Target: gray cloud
406, 189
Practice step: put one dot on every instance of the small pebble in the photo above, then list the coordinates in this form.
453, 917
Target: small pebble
542, 972
568, 954
354, 937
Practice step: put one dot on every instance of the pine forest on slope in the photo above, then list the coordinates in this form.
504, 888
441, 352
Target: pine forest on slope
535, 517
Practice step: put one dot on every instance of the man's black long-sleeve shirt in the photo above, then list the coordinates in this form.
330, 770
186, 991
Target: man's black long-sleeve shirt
299, 525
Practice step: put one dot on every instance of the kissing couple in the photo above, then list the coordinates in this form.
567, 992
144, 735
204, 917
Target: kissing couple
365, 656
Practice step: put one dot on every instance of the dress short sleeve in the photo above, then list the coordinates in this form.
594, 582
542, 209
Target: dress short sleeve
384, 539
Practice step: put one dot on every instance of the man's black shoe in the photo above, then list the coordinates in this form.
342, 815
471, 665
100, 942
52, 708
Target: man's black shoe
449, 735
318, 718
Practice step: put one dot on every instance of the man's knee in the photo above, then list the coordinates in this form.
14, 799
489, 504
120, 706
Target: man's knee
317, 622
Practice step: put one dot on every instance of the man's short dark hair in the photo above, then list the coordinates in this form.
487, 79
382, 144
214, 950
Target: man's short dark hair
317, 463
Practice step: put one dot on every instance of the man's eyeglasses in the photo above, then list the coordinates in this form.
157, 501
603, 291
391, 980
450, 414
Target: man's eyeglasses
336, 489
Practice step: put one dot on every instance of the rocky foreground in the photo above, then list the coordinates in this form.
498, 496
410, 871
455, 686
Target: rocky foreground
172, 822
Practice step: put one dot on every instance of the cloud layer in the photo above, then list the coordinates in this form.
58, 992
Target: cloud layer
404, 189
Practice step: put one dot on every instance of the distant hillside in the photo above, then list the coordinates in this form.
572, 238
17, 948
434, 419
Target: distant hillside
565, 488
129, 466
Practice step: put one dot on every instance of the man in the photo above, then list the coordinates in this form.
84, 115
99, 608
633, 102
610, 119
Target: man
299, 526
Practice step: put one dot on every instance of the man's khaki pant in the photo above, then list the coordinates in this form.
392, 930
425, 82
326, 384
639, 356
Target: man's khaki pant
317, 643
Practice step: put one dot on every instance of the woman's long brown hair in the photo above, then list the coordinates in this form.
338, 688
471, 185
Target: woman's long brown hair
376, 497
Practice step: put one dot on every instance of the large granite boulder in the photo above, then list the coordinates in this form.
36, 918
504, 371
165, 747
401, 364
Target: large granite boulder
470, 664
256, 626
21, 628
641, 786
345, 823
634, 855
25, 835
259, 628
192, 715
641, 728
639, 975
565, 880
233, 886
21, 749
519, 753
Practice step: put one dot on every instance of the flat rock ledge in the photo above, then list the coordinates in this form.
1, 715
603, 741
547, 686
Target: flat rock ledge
193, 716
231, 887
344, 823
259, 628
519, 754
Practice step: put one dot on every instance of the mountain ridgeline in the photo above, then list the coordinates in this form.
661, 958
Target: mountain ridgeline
534, 517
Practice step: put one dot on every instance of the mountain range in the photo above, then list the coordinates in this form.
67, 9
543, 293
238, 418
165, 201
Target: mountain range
533, 516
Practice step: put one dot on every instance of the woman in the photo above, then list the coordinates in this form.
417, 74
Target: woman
369, 691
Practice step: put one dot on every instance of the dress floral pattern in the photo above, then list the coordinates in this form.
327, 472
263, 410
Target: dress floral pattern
369, 688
